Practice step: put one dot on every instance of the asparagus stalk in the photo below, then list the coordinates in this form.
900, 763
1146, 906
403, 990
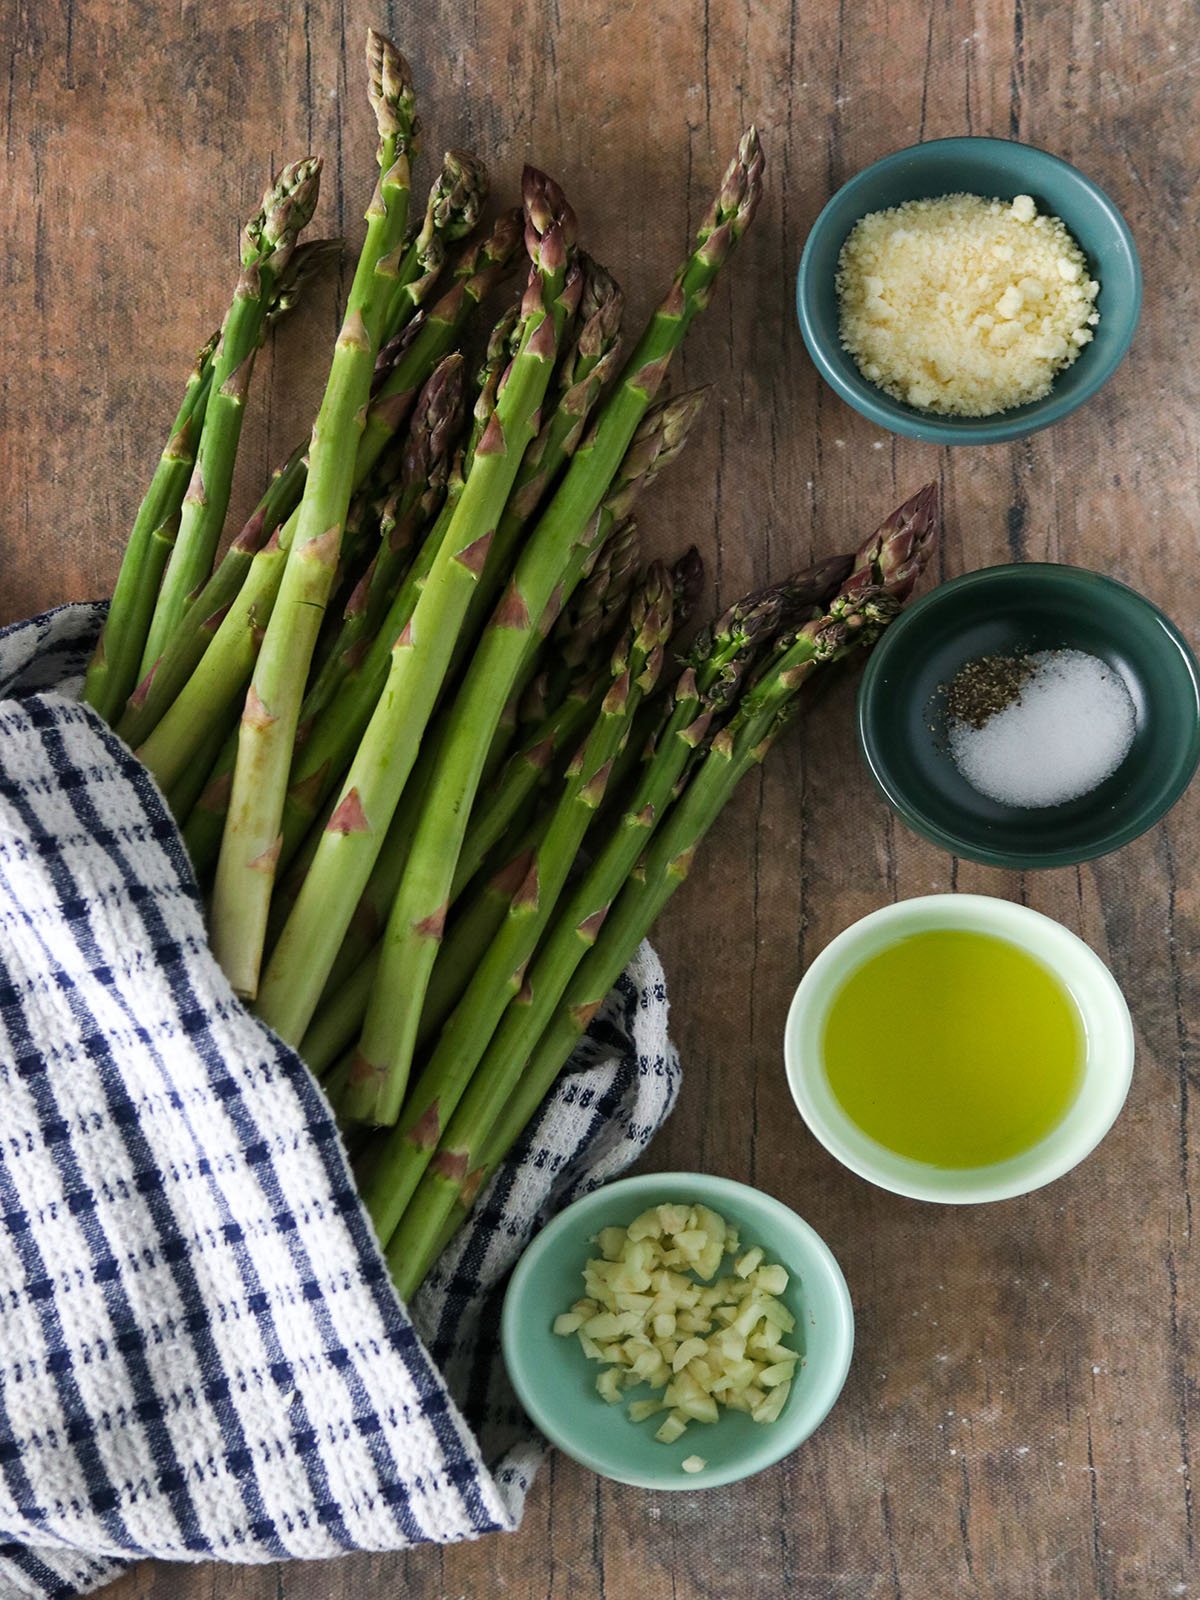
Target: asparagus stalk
246, 867
343, 1006
184, 794
401, 370
586, 619
580, 633
451, 212
420, 656
550, 707
477, 923
229, 655
557, 557
715, 667
414, 927
268, 241
500, 973
719, 661
333, 729
335, 1025
348, 991
424, 468
113, 668
338, 1020
569, 982
504, 343
171, 671
362, 532
205, 822
481, 269
585, 370
526, 770
307, 261
339, 1017
440, 330
205, 825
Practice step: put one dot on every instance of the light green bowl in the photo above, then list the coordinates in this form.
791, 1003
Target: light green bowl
1107, 1064
556, 1383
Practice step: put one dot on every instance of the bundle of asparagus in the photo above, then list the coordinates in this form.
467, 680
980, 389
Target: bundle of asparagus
426, 726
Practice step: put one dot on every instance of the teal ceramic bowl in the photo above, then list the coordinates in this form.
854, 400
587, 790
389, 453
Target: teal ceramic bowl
994, 168
557, 1384
999, 611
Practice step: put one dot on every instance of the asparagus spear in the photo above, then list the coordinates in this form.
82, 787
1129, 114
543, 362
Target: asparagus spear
568, 983
480, 919
580, 632
308, 945
424, 467
451, 212
414, 927
338, 1020
585, 370
335, 1024
439, 332
715, 666
557, 557
500, 973
113, 668
228, 659
191, 783
333, 724
587, 616
363, 529
344, 1003
529, 767
577, 643
335, 731
402, 368
246, 867
551, 561
307, 261
339, 1017
172, 669
268, 242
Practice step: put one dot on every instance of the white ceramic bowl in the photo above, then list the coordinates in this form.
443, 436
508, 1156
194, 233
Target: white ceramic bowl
1108, 1063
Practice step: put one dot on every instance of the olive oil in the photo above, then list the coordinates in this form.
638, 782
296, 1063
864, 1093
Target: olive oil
953, 1048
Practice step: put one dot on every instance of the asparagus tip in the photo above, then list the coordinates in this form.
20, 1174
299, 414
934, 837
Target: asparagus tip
687, 579
390, 88
895, 555
456, 198
550, 223
286, 209
601, 302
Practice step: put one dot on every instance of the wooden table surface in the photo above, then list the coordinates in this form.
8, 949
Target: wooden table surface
1023, 1408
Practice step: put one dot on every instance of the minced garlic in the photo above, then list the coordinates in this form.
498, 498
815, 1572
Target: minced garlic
962, 305
700, 1345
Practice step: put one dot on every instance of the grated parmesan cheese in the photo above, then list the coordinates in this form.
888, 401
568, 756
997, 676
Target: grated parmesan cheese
962, 305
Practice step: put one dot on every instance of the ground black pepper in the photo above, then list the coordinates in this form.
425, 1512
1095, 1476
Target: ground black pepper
981, 688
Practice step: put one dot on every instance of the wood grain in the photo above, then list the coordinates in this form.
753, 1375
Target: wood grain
1022, 1414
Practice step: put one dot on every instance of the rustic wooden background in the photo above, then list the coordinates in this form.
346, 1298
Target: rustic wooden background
1022, 1411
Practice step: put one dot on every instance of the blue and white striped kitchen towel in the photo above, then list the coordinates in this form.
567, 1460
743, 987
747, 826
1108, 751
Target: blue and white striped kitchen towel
200, 1351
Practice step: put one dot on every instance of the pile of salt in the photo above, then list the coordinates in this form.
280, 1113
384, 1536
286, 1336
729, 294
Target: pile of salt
1069, 729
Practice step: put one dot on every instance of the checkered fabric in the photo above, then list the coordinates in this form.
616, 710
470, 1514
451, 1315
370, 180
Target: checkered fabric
201, 1355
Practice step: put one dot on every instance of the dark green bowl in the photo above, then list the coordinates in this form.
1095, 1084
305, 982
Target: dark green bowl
1034, 606
996, 169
